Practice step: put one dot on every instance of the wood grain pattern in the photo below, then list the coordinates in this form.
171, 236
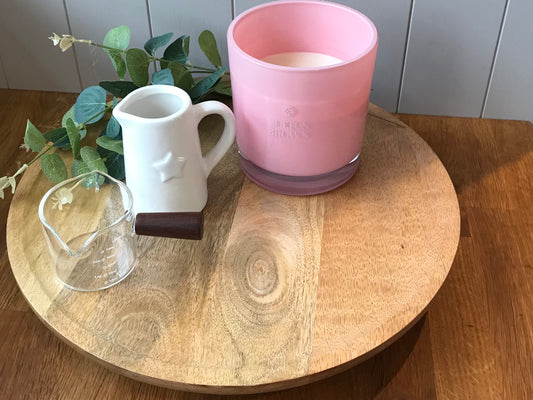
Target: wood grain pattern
239, 317
474, 343
411, 248
490, 286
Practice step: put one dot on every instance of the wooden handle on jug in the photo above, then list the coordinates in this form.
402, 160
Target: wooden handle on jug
178, 225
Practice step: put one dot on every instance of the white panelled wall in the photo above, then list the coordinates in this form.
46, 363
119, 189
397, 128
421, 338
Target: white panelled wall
510, 90
449, 56
91, 20
464, 58
3, 80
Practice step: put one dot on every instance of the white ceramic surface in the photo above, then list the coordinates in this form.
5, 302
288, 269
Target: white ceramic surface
165, 169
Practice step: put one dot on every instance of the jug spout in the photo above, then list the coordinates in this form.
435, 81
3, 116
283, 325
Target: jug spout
151, 104
75, 247
163, 161
88, 227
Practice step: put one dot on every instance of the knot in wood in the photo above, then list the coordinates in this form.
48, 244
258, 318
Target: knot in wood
261, 273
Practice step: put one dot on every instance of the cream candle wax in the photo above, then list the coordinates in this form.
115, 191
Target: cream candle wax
301, 59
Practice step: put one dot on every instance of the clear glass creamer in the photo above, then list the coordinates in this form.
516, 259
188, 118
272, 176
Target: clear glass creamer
88, 223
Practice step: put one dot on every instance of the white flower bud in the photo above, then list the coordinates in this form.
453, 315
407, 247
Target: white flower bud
66, 42
64, 196
55, 38
24, 146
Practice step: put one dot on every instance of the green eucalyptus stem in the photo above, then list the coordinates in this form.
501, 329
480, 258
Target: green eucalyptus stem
8, 181
198, 69
119, 37
83, 125
201, 72
42, 153
103, 46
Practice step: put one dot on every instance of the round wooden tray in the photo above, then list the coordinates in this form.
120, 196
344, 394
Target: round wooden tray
281, 291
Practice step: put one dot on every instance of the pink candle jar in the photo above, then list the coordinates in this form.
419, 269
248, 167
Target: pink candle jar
301, 73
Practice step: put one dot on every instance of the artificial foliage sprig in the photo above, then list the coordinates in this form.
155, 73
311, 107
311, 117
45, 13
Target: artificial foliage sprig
174, 68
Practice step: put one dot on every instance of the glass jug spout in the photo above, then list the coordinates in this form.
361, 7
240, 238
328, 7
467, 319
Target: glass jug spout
89, 229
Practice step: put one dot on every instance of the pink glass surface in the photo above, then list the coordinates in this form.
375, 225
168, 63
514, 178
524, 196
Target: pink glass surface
301, 122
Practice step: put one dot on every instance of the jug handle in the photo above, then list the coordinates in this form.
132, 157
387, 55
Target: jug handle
228, 134
177, 225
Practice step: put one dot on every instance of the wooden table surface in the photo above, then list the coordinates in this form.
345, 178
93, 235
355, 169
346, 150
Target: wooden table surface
474, 343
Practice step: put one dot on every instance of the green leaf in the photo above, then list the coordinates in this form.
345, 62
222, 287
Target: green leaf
178, 50
185, 82
119, 88
186, 42
155, 43
118, 37
163, 77
110, 144
94, 163
90, 105
58, 137
88, 154
53, 167
33, 138
93, 159
73, 137
203, 86
208, 44
137, 62
223, 87
118, 62
79, 167
68, 114
114, 163
181, 75
113, 128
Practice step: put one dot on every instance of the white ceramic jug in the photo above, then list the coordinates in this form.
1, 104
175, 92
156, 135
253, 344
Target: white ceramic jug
165, 169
